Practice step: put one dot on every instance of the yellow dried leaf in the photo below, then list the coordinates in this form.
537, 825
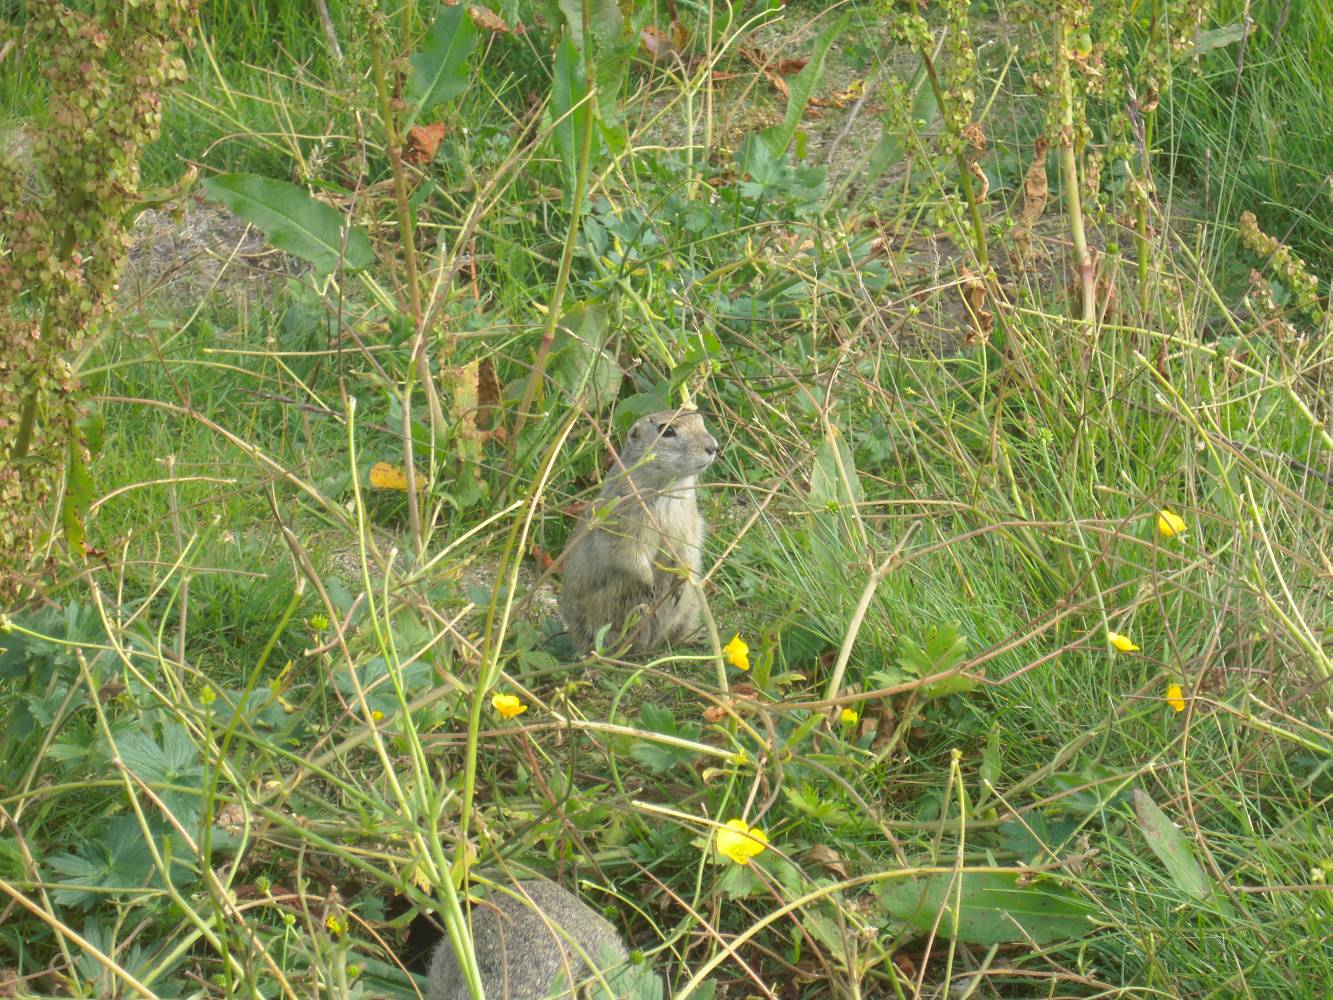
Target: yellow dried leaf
384, 476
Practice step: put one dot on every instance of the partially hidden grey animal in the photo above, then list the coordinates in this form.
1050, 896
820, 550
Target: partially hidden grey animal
524, 952
639, 545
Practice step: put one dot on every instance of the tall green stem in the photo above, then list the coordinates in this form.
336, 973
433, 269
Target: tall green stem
964, 173
1069, 171
571, 239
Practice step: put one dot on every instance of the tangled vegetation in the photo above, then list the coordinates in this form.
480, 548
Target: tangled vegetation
1012, 320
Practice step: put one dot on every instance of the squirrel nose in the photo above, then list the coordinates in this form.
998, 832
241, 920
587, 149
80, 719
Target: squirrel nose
711, 447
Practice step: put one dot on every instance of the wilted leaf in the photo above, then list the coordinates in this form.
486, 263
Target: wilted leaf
293, 220
995, 907
78, 496
463, 408
422, 142
488, 20
766, 68
488, 394
1035, 194
827, 858
384, 476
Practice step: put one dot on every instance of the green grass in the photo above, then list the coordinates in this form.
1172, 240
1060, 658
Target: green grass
1007, 492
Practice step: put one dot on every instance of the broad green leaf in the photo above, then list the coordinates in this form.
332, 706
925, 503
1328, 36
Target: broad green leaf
994, 908
1035, 834
293, 221
569, 110
580, 363
659, 758
1171, 848
117, 858
640, 405
1218, 38
439, 70
833, 481
605, 24
173, 761
800, 90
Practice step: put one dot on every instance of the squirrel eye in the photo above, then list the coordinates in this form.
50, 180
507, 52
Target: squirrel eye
667, 431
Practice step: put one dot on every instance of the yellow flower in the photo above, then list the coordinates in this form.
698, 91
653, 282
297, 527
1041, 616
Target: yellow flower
848, 716
376, 714
737, 652
740, 842
1175, 697
1170, 525
1121, 642
336, 924
508, 705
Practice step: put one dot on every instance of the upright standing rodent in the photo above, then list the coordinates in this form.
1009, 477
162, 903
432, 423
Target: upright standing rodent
639, 544
521, 950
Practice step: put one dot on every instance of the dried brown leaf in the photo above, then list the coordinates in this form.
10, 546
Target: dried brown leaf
422, 143
488, 20
765, 66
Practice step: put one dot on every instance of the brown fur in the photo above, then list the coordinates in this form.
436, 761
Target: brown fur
639, 545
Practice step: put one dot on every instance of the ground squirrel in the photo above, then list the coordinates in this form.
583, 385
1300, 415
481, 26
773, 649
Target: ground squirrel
638, 545
522, 951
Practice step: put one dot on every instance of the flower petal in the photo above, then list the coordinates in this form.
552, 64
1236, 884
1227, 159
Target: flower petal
737, 653
1121, 642
1170, 524
740, 842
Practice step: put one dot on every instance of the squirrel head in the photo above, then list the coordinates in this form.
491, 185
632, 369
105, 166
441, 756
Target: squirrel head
666, 448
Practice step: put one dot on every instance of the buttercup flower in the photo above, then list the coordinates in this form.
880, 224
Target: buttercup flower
508, 705
336, 924
740, 842
848, 716
1170, 525
737, 653
1175, 697
376, 714
1121, 642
